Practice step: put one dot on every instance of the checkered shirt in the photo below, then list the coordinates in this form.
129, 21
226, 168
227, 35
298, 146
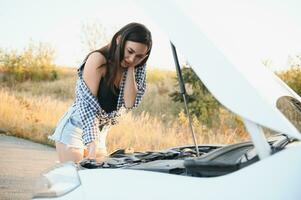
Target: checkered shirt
93, 117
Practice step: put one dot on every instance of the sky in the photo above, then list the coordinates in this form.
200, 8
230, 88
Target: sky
269, 30
59, 23
265, 30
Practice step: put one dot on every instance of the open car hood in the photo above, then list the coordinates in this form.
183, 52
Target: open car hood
249, 89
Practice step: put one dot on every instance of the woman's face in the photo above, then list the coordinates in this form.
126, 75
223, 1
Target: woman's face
134, 53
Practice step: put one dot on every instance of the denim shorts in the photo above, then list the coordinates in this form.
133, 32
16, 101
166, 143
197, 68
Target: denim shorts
69, 130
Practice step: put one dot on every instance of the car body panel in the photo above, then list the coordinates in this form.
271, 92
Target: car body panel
266, 179
76, 194
249, 90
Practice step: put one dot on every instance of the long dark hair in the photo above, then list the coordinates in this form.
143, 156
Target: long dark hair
114, 52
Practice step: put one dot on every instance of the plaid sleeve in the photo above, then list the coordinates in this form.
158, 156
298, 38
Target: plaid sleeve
140, 76
88, 107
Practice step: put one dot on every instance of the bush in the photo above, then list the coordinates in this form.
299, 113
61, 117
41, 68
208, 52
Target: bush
292, 78
207, 109
34, 63
201, 102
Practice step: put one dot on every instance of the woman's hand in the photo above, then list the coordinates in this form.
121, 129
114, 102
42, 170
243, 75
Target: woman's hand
96, 156
94, 152
101, 155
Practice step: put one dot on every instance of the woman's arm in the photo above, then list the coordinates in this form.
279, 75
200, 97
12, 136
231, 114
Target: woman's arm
93, 72
137, 77
92, 75
130, 88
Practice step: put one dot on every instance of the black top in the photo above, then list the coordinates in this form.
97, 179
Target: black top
106, 97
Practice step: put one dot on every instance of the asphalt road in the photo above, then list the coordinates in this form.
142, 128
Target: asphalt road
22, 162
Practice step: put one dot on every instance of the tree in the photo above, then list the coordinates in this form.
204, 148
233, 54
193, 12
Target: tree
94, 36
200, 101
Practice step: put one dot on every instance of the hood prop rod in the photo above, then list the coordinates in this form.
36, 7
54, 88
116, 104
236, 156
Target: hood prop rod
183, 93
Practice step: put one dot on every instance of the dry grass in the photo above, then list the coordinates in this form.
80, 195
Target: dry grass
35, 118
31, 110
150, 133
61, 89
29, 117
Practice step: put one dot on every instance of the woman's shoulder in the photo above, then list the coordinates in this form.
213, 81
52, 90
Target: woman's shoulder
93, 68
94, 63
96, 58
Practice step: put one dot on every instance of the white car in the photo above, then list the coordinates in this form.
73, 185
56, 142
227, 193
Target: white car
262, 169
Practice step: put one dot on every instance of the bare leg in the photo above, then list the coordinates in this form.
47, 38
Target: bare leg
66, 153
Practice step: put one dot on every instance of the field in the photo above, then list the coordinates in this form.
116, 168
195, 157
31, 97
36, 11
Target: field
31, 109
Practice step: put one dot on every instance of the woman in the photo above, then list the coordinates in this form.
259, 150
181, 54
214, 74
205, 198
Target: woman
110, 80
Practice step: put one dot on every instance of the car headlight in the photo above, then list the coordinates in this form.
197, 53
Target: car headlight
57, 181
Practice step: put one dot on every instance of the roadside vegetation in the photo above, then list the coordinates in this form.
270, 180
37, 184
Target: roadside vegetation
35, 93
